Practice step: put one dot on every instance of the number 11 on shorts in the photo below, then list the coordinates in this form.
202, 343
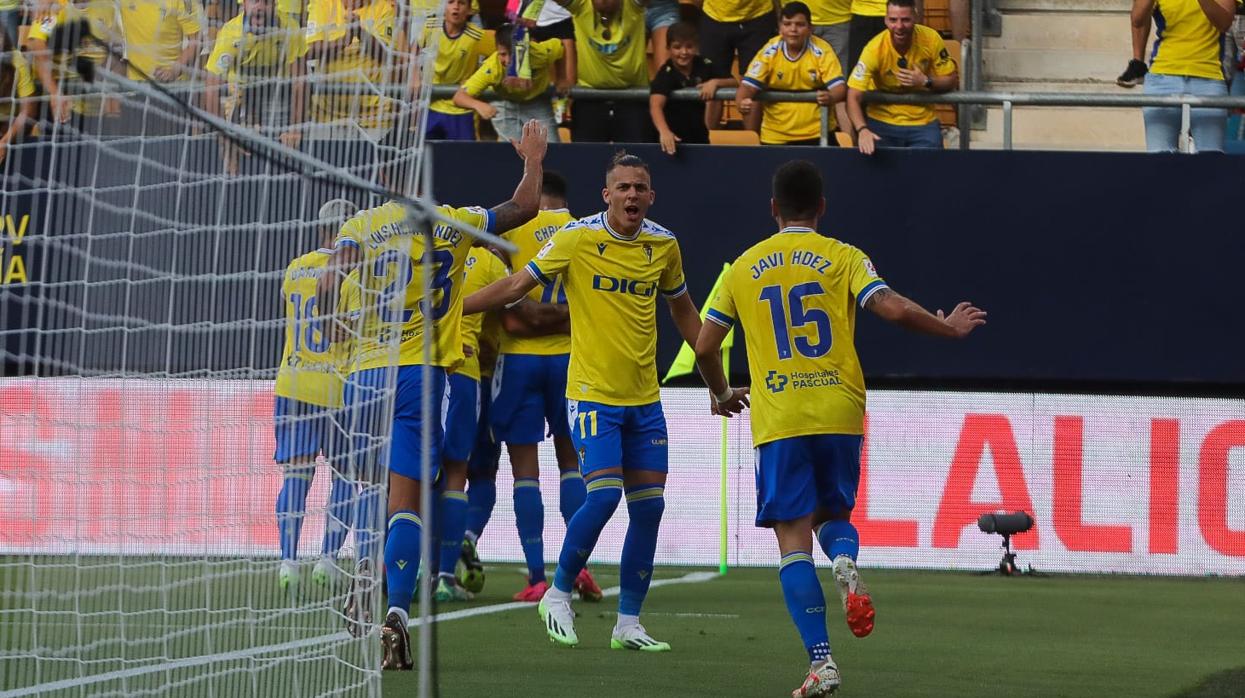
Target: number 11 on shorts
587, 424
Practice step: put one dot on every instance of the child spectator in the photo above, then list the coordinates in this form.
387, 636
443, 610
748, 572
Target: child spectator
682, 121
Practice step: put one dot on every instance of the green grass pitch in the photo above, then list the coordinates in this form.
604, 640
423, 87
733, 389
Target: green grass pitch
938, 634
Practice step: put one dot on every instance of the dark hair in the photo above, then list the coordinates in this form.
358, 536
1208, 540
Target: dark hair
682, 32
797, 190
624, 159
792, 9
910, 4
504, 36
553, 184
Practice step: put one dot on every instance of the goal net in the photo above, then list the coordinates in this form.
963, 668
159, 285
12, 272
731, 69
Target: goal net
149, 539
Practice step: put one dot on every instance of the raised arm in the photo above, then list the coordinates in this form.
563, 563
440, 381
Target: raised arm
522, 207
328, 289
909, 315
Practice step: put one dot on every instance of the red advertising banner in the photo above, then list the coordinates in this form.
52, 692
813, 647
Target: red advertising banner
1115, 484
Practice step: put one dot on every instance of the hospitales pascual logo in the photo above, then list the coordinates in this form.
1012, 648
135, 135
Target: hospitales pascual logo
776, 382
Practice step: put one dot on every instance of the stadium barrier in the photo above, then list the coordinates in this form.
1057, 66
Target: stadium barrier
1116, 484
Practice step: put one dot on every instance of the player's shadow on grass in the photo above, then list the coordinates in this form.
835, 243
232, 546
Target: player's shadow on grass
1221, 684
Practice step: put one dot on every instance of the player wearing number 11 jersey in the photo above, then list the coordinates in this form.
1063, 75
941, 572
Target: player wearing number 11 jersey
795, 295
388, 250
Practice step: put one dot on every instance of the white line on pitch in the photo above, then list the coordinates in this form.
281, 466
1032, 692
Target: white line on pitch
690, 578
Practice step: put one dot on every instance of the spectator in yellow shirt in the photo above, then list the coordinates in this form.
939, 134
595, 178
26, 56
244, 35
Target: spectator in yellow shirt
260, 55
54, 71
794, 61
455, 40
18, 109
350, 39
161, 37
907, 57
522, 97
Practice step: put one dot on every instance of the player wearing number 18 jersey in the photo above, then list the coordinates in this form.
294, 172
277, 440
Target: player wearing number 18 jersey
307, 408
795, 295
388, 251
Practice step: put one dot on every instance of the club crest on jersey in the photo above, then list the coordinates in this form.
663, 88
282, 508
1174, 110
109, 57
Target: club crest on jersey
600, 248
776, 382
648, 252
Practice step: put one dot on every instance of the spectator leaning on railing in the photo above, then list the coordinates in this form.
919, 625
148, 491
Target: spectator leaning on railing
1187, 60
349, 39
260, 56
162, 37
455, 40
54, 72
18, 108
609, 47
730, 29
794, 61
682, 121
907, 57
523, 97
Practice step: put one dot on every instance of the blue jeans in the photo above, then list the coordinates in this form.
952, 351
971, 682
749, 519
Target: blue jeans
923, 136
1206, 126
10, 23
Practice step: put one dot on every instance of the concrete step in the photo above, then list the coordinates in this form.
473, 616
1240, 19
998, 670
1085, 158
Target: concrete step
1009, 6
1094, 31
1065, 128
1053, 65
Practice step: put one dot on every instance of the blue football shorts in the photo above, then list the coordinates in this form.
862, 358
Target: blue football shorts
461, 416
368, 396
607, 436
798, 475
529, 391
304, 430
486, 453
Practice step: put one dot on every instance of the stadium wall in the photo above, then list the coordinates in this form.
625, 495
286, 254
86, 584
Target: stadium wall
1099, 270
1116, 484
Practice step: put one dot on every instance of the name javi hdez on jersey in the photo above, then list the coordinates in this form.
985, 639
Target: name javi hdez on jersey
312, 367
611, 285
391, 277
530, 238
793, 292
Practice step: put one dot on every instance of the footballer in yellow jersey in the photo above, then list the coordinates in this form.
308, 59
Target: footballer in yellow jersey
384, 394
907, 57
794, 61
529, 398
795, 296
613, 265
306, 409
454, 39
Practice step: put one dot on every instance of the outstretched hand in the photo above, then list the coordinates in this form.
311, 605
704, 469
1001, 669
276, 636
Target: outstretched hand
534, 141
732, 406
964, 319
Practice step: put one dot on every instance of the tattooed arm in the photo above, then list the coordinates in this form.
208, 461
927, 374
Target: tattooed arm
893, 307
522, 207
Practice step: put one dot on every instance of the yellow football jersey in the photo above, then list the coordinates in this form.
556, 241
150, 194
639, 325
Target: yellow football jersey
327, 21
793, 294
457, 59
736, 10
831, 11
1186, 43
869, 8
391, 276
530, 238
310, 362
815, 68
541, 57
878, 70
483, 268
611, 286
101, 15
23, 88
609, 56
241, 54
155, 30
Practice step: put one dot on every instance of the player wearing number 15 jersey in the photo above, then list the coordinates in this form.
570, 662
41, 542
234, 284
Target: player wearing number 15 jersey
795, 295
388, 250
307, 408
613, 265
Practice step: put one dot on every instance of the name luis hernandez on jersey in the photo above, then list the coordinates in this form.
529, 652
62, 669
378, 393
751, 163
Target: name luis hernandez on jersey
802, 258
384, 233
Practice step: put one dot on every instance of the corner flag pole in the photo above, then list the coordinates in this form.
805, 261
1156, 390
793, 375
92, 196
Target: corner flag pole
684, 364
